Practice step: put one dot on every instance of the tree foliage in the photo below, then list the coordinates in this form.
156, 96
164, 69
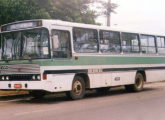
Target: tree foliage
69, 10
15, 10
74, 10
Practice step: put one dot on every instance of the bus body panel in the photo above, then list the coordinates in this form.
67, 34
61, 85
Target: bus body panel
54, 83
155, 75
108, 79
60, 82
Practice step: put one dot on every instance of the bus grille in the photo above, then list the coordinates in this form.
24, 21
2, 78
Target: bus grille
29, 77
19, 69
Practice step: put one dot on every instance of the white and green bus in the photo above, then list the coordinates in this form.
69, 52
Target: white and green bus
57, 56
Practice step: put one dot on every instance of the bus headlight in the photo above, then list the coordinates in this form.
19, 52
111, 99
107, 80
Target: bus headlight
3, 78
33, 77
38, 77
7, 77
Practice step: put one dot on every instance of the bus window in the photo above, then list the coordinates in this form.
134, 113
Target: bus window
148, 44
130, 43
0, 41
25, 44
61, 44
161, 45
85, 40
109, 42
0, 46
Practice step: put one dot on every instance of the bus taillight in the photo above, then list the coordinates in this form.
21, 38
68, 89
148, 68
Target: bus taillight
44, 76
3, 28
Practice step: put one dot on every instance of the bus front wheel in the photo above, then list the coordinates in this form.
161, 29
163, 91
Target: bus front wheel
138, 86
78, 89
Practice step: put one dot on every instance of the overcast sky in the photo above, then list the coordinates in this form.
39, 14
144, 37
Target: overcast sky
139, 15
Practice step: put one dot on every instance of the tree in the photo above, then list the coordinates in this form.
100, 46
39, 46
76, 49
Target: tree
15, 10
74, 10
106, 9
68, 10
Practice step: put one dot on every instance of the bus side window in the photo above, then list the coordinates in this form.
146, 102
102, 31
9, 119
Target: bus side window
0, 42
161, 45
61, 44
85, 40
148, 45
130, 43
109, 42
0, 46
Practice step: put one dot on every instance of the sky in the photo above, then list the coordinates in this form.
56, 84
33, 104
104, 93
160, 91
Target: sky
138, 15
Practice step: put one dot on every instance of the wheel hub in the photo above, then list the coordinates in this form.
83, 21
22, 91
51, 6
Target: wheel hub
138, 82
77, 88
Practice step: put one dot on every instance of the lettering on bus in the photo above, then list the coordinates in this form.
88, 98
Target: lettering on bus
3, 67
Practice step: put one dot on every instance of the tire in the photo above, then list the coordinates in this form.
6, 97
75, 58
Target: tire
37, 94
138, 86
78, 89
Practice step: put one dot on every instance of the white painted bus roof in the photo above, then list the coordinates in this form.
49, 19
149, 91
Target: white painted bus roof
82, 25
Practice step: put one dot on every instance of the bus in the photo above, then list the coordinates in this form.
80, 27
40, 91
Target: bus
50, 56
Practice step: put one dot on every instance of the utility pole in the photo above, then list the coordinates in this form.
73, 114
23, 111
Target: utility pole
109, 13
107, 8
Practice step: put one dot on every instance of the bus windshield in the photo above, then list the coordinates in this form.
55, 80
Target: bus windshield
26, 44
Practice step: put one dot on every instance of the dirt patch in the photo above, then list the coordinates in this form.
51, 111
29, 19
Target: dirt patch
11, 93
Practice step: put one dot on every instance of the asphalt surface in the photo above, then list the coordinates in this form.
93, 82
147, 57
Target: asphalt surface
117, 104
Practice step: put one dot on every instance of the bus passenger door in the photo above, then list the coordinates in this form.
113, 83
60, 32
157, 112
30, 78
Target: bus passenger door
61, 42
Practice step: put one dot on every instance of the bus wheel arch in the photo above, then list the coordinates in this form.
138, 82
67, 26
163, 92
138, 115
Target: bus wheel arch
79, 85
140, 78
143, 73
85, 77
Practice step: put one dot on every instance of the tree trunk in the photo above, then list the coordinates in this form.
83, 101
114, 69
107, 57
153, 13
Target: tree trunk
108, 20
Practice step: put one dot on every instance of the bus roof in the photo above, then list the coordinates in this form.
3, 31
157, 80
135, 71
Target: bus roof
82, 25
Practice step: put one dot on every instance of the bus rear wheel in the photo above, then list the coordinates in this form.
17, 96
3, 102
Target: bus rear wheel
138, 86
78, 89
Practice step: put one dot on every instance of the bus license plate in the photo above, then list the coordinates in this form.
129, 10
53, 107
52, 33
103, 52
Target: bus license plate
17, 86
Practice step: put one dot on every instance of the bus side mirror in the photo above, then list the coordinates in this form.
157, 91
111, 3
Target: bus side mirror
55, 42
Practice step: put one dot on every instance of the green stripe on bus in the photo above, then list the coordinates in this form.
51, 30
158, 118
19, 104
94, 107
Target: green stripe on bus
93, 60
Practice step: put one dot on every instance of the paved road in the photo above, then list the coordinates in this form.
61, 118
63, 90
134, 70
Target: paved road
116, 105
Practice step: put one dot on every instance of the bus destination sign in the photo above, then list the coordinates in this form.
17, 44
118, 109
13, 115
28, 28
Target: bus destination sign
21, 25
